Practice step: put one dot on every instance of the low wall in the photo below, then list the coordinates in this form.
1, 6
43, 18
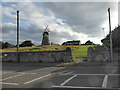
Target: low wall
39, 56
98, 55
101, 55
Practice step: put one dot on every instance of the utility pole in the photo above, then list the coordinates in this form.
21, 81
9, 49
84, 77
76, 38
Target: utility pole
18, 56
110, 32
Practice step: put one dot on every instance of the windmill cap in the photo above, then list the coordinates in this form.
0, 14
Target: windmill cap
45, 33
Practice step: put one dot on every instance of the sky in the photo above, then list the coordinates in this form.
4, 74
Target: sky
67, 21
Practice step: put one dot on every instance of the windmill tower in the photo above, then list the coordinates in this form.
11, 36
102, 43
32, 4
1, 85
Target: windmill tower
45, 39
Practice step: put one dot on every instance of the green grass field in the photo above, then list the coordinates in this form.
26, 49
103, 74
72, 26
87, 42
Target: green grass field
81, 51
77, 51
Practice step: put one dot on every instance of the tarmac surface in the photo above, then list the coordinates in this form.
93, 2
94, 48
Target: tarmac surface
96, 77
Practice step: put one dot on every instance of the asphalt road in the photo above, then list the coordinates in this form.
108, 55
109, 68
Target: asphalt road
60, 77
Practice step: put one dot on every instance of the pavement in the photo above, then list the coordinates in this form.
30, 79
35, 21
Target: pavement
87, 77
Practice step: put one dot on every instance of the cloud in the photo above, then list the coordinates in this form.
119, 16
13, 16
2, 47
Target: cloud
8, 28
82, 16
67, 21
9, 33
8, 12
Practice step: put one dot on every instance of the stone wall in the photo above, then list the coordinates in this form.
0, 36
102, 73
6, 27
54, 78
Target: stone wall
39, 56
98, 55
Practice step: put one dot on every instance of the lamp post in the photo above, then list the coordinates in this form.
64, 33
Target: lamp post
111, 50
18, 56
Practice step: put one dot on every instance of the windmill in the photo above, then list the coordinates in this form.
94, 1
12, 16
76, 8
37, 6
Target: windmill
45, 39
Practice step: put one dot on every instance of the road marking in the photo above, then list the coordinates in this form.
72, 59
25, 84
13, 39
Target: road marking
67, 73
9, 83
37, 78
6, 72
30, 73
66, 81
93, 74
12, 76
104, 84
47, 68
44, 68
75, 87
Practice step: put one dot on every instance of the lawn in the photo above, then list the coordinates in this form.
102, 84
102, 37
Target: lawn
81, 51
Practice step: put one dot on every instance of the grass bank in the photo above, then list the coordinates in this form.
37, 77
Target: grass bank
81, 51
38, 48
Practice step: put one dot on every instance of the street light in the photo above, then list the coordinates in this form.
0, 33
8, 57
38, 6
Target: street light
18, 56
111, 51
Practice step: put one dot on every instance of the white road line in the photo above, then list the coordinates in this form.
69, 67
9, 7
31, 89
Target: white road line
67, 73
47, 68
9, 83
93, 74
40, 69
104, 84
6, 72
12, 76
30, 73
66, 81
75, 87
37, 78
44, 68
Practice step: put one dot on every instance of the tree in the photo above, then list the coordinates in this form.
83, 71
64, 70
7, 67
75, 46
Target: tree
27, 43
1, 45
115, 38
89, 43
7, 45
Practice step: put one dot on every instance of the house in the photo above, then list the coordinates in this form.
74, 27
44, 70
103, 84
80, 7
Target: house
74, 42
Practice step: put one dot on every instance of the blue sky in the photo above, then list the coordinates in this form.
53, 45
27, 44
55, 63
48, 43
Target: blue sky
67, 21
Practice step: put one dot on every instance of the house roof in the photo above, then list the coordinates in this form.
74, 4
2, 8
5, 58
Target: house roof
73, 41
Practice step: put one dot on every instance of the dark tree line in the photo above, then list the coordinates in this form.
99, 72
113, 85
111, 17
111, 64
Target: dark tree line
115, 38
5, 45
26, 43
